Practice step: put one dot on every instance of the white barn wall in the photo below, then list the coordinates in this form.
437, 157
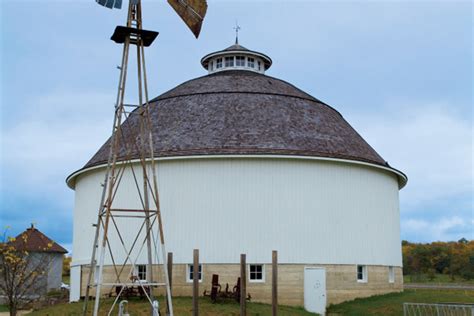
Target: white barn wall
75, 291
311, 211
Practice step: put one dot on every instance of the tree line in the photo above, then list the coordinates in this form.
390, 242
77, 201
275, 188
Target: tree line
455, 259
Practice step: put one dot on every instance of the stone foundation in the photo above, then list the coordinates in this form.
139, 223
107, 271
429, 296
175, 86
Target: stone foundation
341, 281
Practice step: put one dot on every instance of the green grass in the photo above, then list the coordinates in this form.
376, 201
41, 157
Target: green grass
438, 278
182, 306
392, 304
389, 304
3, 308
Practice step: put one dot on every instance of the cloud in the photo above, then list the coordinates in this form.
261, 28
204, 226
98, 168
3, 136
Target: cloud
448, 229
56, 135
430, 142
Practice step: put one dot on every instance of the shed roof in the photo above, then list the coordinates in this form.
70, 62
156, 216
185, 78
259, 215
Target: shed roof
33, 240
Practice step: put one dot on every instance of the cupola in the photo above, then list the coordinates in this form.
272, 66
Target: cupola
236, 57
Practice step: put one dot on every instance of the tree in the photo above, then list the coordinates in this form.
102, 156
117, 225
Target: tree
22, 274
67, 265
450, 258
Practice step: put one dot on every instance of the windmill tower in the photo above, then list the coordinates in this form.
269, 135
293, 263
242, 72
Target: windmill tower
149, 238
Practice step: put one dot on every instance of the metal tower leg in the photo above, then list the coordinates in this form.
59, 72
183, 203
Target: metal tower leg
113, 176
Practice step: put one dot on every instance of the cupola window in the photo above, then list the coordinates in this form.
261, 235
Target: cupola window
229, 61
236, 57
250, 62
218, 63
240, 61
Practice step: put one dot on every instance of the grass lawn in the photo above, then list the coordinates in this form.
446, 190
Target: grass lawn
182, 306
389, 304
438, 278
392, 304
3, 308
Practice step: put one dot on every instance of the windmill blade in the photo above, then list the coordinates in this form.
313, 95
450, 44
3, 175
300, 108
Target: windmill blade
192, 12
117, 4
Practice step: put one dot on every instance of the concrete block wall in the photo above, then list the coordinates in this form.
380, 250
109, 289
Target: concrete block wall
341, 281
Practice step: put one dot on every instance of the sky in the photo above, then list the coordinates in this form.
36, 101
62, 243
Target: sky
400, 72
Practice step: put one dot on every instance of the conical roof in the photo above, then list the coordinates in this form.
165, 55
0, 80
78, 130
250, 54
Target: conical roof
33, 240
236, 46
245, 113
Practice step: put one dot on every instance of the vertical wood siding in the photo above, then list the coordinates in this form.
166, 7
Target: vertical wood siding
311, 211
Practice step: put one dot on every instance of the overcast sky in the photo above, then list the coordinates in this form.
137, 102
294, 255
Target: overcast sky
400, 72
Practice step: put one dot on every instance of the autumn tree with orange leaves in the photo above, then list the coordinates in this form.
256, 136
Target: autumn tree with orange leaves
455, 259
22, 274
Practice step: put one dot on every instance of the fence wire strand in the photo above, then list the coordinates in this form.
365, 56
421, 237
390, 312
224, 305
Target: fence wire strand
421, 309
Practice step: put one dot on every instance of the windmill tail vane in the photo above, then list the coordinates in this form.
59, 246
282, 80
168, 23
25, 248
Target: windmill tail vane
192, 12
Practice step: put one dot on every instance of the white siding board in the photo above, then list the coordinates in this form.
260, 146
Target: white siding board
310, 211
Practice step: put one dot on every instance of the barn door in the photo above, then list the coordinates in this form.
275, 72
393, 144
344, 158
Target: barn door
315, 290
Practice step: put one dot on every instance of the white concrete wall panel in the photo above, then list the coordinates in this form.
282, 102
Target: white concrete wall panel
75, 291
311, 211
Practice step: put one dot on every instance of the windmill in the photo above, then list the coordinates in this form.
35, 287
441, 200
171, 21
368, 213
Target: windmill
150, 235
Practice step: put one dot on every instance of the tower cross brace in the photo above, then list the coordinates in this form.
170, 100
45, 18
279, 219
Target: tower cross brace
146, 184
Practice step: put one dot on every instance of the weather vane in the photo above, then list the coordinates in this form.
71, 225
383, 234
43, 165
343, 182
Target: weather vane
236, 28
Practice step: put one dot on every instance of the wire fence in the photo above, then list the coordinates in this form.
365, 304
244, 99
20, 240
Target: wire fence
421, 309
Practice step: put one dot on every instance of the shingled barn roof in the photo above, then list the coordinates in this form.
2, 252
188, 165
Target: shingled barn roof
245, 113
33, 240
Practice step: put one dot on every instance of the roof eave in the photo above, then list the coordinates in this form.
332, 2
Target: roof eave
402, 178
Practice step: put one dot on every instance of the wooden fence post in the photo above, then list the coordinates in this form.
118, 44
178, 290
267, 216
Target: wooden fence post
274, 283
170, 276
243, 285
195, 282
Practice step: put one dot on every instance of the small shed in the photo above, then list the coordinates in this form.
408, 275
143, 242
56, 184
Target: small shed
38, 244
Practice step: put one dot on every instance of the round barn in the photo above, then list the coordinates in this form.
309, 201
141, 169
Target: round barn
248, 163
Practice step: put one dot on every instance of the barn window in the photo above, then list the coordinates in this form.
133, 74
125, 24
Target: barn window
259, 65
251, 62
141, 272
256, 273
229, 61
219, 63
391, 275
190, 274
240, 61
361, 273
